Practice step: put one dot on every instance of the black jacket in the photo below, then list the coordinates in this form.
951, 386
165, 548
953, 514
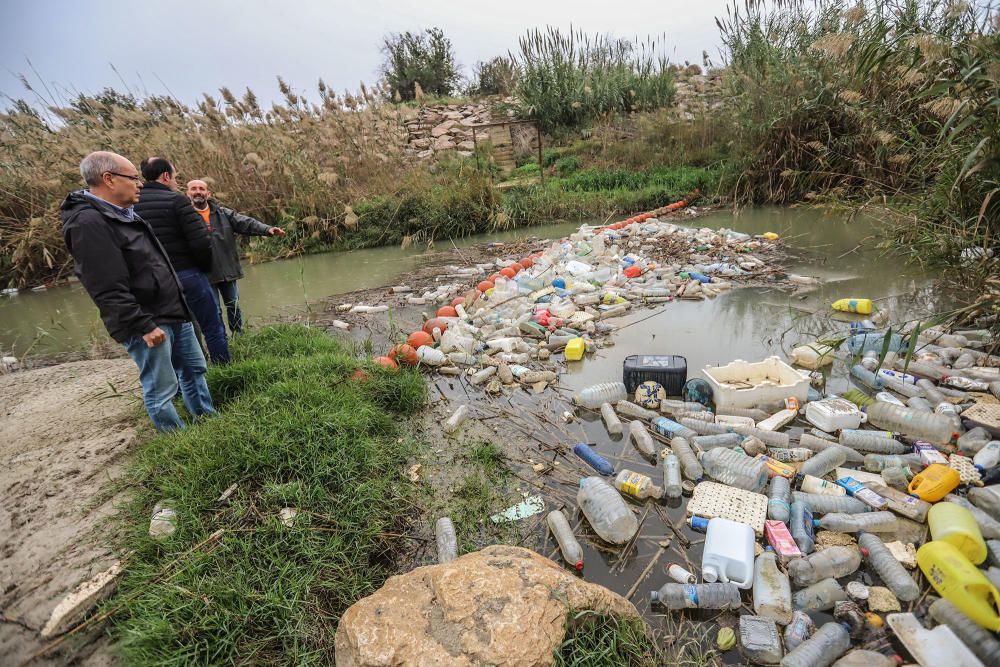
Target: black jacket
177, 225
123, 267
225, 254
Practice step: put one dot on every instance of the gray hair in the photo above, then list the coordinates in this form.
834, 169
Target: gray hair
96, 164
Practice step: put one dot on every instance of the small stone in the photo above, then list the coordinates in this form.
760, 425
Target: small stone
881, 598
538, 467
829, 538
414, 472
287, 516
857, 590
75, 606
906, 554
567, 416
544, 354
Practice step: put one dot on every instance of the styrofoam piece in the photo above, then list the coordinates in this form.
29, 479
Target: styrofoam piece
834, 414
713, 500
966, 469
743, 384
931, 648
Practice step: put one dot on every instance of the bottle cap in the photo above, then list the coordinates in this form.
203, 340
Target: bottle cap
579, 565
709, 574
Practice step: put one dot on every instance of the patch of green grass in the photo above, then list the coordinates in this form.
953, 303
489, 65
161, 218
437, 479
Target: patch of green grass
595, 639
294, 430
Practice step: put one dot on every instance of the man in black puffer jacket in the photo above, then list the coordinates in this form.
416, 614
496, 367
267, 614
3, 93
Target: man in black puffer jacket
128, 275
183, 235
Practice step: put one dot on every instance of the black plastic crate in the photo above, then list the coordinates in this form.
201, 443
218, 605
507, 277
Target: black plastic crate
670, 370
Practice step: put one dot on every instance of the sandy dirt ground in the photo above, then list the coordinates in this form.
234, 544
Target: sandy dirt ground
64, 433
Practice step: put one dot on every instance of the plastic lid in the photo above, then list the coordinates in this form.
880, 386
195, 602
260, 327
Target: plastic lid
579, 565
709, 574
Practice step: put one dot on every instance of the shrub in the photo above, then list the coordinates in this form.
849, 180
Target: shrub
425, 58
494, 77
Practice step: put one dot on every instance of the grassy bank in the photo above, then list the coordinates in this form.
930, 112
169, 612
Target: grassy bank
296, 431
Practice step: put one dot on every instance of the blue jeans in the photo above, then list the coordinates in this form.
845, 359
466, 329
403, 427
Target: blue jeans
231, 300
201, 300
160, 367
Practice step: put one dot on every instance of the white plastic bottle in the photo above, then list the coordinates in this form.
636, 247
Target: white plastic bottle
607, 512
611, 421
872, 522
672, 476
735, 469
642, 439
888, 568
571, 550
637, 485
454, 422
447, 540
605, 392
772, 592
832, 562
792, 455
821, 650
988, 456
821, 487
680, 575
163, 522
728, 553
824, 462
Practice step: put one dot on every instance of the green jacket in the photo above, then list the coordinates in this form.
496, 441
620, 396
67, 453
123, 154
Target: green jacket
226, 223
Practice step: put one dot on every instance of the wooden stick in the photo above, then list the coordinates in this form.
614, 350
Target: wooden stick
645, 573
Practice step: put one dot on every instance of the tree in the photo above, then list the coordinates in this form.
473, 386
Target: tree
426, 58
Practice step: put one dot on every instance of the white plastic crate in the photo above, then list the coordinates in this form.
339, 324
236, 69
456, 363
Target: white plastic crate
713, 500
744, 384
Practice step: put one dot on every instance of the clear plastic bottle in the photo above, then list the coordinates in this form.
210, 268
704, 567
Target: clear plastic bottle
633, 411
672, 476
931, 392
973, 440
888, 568
798, 630
605, 392
755, 414
770, 438
607, 512
792, 455
872, 522
801, 526
163, 522
642, 439
482, 375
676, 408
823, 463
703, 415
571, 550
988, 456
702, 427
832, 562
872, 441
897, 478
867, 377
772, 592
671, 429
820, 596
818, 444
779, 499
980, 641
611, 421
637, 485
727, 440
986, 498
447, 540
690, 467
864, 658
988, 526
829, 643
735, 469
454, 422
879, 462
760, 641
919, 403
697, 596
932, 427
826, 504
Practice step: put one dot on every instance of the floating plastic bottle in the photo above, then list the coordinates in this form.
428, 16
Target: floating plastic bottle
867, 377
642, 439
677, 408
770, 438
727, 440
690, 467
571, 550
633, 411
755, 414
982, 643
801, 526
760, 641
888, 568
903, 503
447, 540
919, 403
973, 440
779, 499
819, 444
865, 658
605, 392
702, 427
595, 460
832, 562
791, 455
988, 526
671, 429
820, 596
864, 342
457, 418
482, 375
607, 512
829, 643
637, 485
798, 630
879, 462
872, 442
932, 427
826, 504
986, 498
697, 596
823, 463
988, 456
611, 421
872, 522
772, 592
821, 487
672, 476
734, 469
897, 478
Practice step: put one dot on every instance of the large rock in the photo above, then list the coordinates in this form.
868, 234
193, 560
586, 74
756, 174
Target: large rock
443, 128
499, 606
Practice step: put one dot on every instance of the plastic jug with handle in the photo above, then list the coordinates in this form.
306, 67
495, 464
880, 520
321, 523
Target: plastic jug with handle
728, 553
934, 482
961, 583
955, 524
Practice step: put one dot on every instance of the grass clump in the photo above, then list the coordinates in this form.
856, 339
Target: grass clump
595, 639
294, 430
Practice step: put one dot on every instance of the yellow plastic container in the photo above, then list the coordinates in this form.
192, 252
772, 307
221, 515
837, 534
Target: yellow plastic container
961, 583
953, 523
575, 349
934, 482
860, 306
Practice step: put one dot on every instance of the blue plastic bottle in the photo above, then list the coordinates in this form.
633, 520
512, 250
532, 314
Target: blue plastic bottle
595, 460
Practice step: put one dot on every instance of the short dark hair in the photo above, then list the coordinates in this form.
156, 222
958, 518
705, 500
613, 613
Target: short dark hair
153, 168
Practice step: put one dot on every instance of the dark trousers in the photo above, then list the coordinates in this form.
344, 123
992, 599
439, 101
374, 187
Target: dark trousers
201, 300
231, 301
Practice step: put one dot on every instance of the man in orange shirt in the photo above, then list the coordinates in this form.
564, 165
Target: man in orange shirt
223, 223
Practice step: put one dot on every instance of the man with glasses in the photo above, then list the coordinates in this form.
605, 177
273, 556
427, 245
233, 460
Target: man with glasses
127, 273
184, 236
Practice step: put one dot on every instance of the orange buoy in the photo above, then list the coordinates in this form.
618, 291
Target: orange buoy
435, 323
459, 301
386, 362
508, 272
447, 311
632, 272
527, 262
403, 354
485, 285
517, 266
418, 338
493, 277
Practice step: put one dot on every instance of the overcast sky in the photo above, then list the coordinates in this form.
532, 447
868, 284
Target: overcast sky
196, 47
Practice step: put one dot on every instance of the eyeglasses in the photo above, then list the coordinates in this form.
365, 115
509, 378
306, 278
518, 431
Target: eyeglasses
137, 179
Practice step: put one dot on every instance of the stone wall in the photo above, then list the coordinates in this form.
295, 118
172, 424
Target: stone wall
445, 127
